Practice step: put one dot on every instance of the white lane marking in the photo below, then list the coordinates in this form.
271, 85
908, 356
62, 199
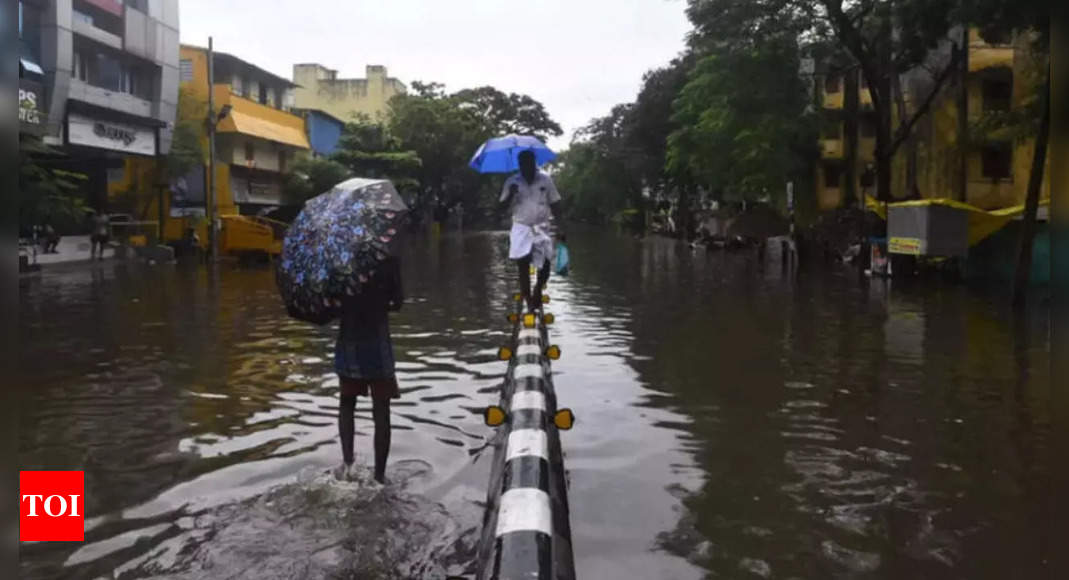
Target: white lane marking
528, 349
527, 442
528, 400
525, 509
528, 370
530, 333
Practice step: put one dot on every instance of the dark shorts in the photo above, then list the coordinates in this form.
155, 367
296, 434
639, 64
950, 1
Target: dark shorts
99, 238
379, 388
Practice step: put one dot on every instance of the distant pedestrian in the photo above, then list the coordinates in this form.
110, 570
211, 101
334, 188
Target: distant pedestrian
364, 362
100, 236
51, 239
534, 199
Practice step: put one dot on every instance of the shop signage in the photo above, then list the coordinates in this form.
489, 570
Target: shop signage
910, 246
31, 102
112, 135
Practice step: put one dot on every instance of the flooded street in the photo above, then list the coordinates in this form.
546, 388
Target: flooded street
731, 422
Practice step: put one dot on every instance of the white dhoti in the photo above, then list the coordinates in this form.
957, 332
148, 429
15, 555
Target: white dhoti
532, 240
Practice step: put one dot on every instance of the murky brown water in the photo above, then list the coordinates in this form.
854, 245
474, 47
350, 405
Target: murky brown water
731, 422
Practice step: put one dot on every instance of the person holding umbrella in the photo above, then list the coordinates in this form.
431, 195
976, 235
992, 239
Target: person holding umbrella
534, 201
339, 261
364, 362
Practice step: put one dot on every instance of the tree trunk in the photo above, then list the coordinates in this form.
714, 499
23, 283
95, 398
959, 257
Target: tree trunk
1031, 204
851, 105
963, 117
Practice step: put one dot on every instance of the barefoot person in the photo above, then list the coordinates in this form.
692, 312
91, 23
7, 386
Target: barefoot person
101, 234
534, 200
363, 359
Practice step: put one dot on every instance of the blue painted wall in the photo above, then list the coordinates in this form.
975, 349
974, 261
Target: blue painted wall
323, 133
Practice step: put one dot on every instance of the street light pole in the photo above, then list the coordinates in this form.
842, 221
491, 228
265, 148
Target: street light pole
210, 209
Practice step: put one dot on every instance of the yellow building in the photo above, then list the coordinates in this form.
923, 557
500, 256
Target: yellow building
319, 88
998, 78
255, 145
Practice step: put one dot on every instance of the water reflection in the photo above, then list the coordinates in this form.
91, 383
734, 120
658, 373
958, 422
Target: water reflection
733, 420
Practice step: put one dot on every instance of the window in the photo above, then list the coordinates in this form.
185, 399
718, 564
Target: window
831, 128
263, 95
250, 151
996, 161
832, 83
868, 125
998, 94
81, 66
282, 161
237, 86
82, 17
832, 175
139, 5
185, 70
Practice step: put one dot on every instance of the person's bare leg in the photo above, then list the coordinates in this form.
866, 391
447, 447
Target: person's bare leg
523, 268
543, 277
346, 428
380, 412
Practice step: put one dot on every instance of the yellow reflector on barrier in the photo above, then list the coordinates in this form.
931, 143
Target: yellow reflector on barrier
553, 352
564, 419
494, 416
517, 297
504, 353
545, 299
529, 320
548, 319
513, 317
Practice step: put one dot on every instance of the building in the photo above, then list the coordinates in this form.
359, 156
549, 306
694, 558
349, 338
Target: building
988, 170
257, 141
321, 89
99, 82
324, 131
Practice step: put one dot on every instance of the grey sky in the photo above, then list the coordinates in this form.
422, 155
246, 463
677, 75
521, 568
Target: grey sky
585, 55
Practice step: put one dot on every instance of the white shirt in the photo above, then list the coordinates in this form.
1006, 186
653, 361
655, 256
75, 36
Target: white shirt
530, 204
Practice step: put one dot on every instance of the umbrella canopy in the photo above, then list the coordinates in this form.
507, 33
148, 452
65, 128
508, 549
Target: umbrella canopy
335, 245
759, 222
501, 154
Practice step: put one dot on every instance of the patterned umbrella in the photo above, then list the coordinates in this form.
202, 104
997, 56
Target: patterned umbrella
335, 245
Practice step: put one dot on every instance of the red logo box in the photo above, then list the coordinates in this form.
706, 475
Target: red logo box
51, 506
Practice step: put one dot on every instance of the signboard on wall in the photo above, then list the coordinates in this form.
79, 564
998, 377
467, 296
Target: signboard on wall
31, 106
187, 194
113, 135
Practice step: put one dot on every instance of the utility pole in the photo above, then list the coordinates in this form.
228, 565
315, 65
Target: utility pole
213, 243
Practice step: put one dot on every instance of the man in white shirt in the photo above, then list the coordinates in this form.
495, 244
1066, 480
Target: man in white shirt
535, 201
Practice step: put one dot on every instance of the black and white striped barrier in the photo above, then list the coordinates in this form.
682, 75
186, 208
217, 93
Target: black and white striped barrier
526, 532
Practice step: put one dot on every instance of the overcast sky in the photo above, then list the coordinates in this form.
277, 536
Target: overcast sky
578, 57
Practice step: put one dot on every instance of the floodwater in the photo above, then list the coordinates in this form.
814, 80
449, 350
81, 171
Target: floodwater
732, 422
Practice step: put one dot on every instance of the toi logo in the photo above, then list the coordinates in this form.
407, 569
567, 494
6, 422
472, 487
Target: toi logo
51, 506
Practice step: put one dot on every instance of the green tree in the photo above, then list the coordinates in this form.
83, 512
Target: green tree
368, 149
444, 130
884, 38
599, 170
508, 113
742, 128
310, 177
47, 195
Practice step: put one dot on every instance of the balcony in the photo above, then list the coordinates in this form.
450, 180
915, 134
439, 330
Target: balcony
83, 25
119, 101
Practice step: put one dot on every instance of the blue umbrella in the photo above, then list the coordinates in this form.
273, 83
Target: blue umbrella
501, 154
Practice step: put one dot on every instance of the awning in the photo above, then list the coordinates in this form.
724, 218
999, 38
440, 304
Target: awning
30, 66
237, 122
982, 223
